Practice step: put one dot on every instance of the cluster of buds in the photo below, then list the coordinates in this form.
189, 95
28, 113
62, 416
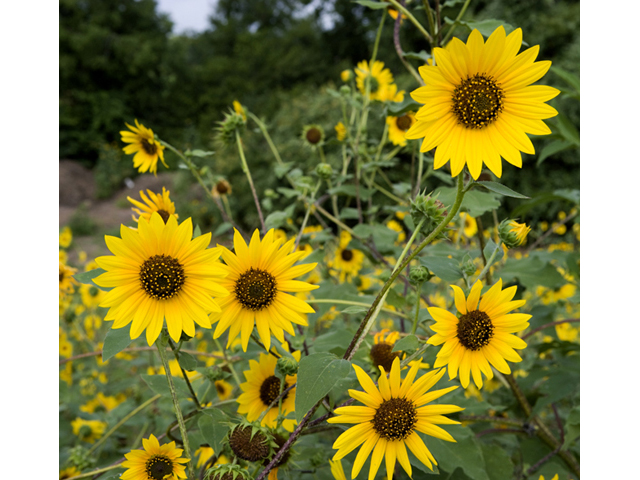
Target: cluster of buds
431, 210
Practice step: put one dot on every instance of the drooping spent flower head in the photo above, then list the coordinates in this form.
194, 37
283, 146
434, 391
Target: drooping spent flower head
482, 335
480, 104
146, 148
392, 414
159, 272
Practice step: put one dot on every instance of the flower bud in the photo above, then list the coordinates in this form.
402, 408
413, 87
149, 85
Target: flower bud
345, 90
345, 75
324, 171
287, 366
419, 274
512, 233
227, 471
468, 267
250, 443
431, 210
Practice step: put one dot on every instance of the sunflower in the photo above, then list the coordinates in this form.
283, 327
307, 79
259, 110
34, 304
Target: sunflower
146, 148
393, 414
341, 131
88, 430
65, 277
204, 454
155, 462
313, 136
512, 233
336, 470
239, 109
91, 295
258, 277
480, 104
155, 202
159, 272
65, 237
380, 79
470, 226
398, 126
69, 472
382, 354
224, 389
482, 335
263, 387
347, 262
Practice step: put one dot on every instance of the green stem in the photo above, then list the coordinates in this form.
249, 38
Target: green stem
412, 19
245, 169
95, 472
306, 214
432, 25
489, 262
335, 301
122, 422
183, 429
388, 193
453, 25
415, 319
227, 362
357, 339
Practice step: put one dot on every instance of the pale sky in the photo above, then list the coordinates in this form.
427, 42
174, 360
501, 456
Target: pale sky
188, 14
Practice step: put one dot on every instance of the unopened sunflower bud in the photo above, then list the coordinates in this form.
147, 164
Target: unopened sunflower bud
419, 274
324, 171
468, 267
431, 210
287, 366
512, 233
345, 90
226, 130
346, 75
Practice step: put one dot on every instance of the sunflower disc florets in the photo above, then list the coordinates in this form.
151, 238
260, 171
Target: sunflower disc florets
250, 442
431, 210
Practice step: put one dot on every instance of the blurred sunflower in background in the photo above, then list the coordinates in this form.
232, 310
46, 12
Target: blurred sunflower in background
146, 148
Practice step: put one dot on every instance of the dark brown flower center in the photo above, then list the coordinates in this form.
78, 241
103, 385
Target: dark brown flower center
149, 146
255, 289
220, 388
162, 276
165, 215
395, 419
346, 255
314, 135
477, 101
247, 447
270, 389
382, 355
158, 467
222, 187
403, 122
475, 330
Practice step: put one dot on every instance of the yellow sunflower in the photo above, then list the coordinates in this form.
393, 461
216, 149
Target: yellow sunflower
382, 354
65, 237
470, 227
205, 453
480, 104
259, 275
336, 470
155, 202
380, 79
341, 131
155, 462
512, 233
239, 109
224, 389
482, 335
68, 473
146, 148
347, 261
88, 430
159, 272
392, 415
263, 387
65, 277
398, 126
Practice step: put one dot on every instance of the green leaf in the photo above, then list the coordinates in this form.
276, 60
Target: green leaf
546, 197
568, 130
333, 341
474, 202
396, 109
570, 78
354, 309
159, 384
198, 153
552, 148
318, 373
349, 213
371, 4
213, 427
222, 228
498, 463
421, 56
465, 453
117, 339
563, 383
530, 272
196, 231
499, 188
288, 192
87, 278
282, 170
444, 268
187, 361
279, 218
408, 344
572, 426
350, 190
